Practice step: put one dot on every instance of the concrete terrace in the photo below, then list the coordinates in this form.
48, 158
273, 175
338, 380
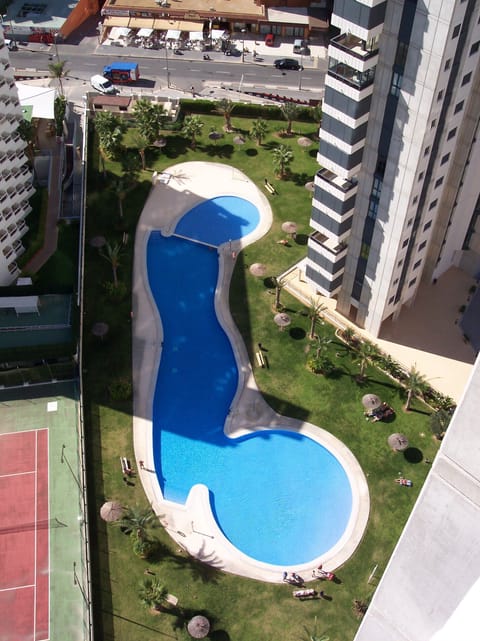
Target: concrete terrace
174, 193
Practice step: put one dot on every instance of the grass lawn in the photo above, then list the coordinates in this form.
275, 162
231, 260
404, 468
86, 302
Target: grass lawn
239, 609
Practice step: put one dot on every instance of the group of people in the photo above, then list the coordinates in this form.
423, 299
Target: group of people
293, 578
378, 414
320, 573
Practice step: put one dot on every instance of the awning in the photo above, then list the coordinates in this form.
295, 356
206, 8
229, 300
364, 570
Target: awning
176, 25
196, 35
288, 15
141, 23
119, 32
215, 34
115, 21
144, 33
173, 34
40, 99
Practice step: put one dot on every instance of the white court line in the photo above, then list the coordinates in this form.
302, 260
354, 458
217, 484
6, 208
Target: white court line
21, 431
6, 476
18, 587
35, 545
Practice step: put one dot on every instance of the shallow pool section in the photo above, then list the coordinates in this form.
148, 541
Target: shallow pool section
218, 220
279, 497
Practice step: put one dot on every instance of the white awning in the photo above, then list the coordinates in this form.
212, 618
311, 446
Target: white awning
173, 34
196, 35
288, 15
215, 34
119, 32
144, 33
21, 304
41, 99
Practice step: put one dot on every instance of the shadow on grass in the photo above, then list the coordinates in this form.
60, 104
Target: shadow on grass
251, 153
219, 635
137, 623
286, 408
413, 455
221, 151
297, 333
301, 239
205, 568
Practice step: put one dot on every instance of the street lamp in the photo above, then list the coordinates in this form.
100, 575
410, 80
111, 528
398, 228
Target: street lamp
244, 31
166, 62
301, 71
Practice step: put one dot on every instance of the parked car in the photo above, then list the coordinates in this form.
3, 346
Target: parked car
287, 63
102, 84
301, 47
269, 39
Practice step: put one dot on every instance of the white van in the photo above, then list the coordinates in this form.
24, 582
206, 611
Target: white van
102, 84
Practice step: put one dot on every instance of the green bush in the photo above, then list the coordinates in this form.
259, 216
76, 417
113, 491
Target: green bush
141, 547
115, 294
120, 389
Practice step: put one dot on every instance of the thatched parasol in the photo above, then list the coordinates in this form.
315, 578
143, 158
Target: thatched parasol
215, 135
305, 142
398, 442
239, 140
98, 242
310, 186
282, 320
289, 227
371, 402
100, 329
198, 627
258, 269
111, 511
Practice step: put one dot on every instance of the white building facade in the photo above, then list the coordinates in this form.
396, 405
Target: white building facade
398, 195
16, 186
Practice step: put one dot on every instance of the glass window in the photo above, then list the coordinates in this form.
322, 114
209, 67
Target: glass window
427, 151
466, 78
405, 242
458, 107
445, 159
475, 47
417, 264
451, 133
390, 300
412, 282
433, 204
422, 246
440, 95
456, 31
439, 182
447, 64
427, 225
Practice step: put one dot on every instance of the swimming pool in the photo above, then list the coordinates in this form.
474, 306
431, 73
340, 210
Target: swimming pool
278, 496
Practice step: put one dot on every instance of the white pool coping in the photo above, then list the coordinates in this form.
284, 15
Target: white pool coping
192, 526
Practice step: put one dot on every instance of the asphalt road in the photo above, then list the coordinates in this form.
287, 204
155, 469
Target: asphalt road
87, 58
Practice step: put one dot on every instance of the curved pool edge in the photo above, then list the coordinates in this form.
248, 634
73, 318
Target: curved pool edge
192, 525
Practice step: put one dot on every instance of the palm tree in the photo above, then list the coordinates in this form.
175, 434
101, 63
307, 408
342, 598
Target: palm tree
312, 635
140, 143
58, 71
366, 351
192, 127
137, 520
279, 283
415, 384
150, 118
112, 253
289, 112
282, 157
152, 593
259, 130
28, 132
109, 128
315, 311
225, 107
322, 345
120, 189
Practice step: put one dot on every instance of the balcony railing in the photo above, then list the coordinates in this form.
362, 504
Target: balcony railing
337, 181
349, 75
331, 245
356, 47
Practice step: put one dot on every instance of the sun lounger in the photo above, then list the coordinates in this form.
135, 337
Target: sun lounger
260, 359
305, 594
126, 466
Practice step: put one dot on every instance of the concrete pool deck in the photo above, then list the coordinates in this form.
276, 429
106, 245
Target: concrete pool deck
175, 192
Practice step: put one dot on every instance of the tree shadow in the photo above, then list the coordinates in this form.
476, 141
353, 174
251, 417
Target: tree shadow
201, 569
301, 239
222, 151
219, 635
297, 333
301, 178
251, 152
177, 146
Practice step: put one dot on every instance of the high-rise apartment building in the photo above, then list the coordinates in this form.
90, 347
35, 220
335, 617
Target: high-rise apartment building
397, 197
16, 186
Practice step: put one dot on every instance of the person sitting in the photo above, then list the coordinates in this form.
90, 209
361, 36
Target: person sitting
402, 481
320, 573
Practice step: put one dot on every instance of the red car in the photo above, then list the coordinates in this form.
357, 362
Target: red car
269, 39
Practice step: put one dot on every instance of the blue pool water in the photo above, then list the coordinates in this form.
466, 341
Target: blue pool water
279, 497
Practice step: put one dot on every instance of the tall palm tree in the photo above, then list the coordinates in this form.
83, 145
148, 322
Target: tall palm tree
140, 142
152, 593
322, 345
312, 635
259, 130
279, 285
112, 253
120, 189
150, 118
225, 106
28, 133
137, 521
289, 112
58, 71
315, 311
109, 128
282, 157
366, 351
415, 384
192, 127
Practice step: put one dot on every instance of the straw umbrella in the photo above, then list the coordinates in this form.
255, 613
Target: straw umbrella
289, 227
98, 242
239, 140
215, 135
111, 511
258, 269
371, 401
198, 627
310, 186
100, 329
398, 442
305, 142
282, 320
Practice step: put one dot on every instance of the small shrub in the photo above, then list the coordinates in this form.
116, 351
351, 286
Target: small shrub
321, 365
359, 608
141, 547
115, 294
120, 389
439, 422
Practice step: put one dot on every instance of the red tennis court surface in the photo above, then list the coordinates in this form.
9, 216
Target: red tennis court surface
24, 562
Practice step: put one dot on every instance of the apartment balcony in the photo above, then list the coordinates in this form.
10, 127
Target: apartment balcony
355, 46
334, 183
13, 270
3, 235
329, 247
349, 75
7, 252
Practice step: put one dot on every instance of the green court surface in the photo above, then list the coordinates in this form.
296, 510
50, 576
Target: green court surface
55, 407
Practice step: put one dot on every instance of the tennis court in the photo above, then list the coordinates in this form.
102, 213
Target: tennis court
24, 535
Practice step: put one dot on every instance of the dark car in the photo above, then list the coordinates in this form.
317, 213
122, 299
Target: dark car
287, 63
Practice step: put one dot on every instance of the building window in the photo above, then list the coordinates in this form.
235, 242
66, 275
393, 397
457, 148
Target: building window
466, 78
420, 176
451, 133
475, 47
447, 64
438, 182
445, 159
422, 246
396, 83
365, 251
410, 221
427, 225
434, 123
373, 208
412, 282
390, 300
395, 282
440, 95
458, 107
405, 243
415, 200
456, 31
417, 264
377, 187
433, 204
427, 151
